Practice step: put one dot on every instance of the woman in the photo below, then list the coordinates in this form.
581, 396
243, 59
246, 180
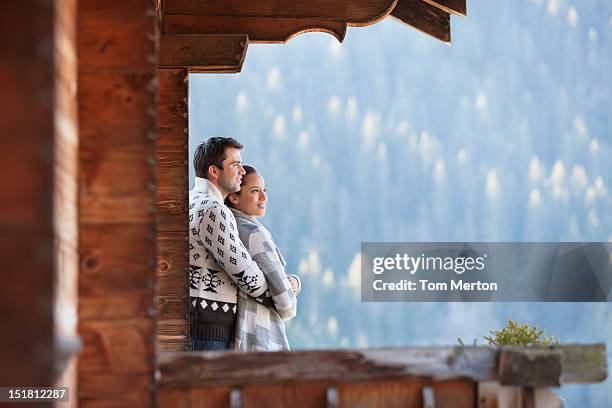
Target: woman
260, 326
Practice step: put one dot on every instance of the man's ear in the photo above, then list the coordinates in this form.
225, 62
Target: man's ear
213, 172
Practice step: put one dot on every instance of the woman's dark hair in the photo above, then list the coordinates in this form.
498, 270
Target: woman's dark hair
212, 153
248, 170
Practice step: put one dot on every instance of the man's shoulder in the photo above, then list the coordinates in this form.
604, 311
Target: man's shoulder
202, 200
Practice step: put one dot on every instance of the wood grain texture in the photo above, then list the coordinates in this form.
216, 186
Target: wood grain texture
116, 93
210, 397
118, 347
360, 12
534, 368
424, 17
174, 398
26, 209
203, 52
332, 365
113, 32
258, 29
450, 6
436, 363
391, 394
171, 302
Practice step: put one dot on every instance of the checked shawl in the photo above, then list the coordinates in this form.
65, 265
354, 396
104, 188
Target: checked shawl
261, 327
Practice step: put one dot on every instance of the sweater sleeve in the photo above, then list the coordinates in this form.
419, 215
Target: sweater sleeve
219, 235
264, 252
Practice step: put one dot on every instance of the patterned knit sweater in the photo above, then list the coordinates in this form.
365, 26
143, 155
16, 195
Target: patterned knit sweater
261, 327
219, 265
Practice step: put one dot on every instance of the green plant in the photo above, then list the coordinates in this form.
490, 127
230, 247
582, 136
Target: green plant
515, 334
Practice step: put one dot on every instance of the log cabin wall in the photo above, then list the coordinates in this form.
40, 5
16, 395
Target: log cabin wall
26, 205
65, 299
117, 84
178, 56
172, 202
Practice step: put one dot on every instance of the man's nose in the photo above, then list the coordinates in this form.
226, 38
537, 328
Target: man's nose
241, 170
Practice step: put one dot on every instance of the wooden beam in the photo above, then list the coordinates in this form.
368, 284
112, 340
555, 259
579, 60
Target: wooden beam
458, 7
424, 17
258, 29
361, 12
179, 369
116, 94
27, 148
193, 369
171, 300
203, 52
533, 368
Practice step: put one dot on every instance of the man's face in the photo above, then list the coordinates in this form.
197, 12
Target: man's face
230, 177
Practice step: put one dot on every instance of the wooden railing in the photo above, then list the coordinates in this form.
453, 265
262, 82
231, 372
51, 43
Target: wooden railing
430, 377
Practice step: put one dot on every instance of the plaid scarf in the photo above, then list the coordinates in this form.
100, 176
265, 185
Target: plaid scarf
261, 327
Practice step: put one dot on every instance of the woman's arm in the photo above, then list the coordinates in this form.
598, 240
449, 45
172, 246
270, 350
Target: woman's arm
263, 252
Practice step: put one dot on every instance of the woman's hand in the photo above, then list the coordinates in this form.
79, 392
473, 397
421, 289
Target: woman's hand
295, 283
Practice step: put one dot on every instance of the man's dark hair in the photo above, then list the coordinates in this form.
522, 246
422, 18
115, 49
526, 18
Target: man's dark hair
212, 153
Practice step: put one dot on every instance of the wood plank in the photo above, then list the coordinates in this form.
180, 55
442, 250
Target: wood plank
172, 214
455, 394
118, 35
209, 397
361, 12
170, 306
172, 81
437, 363
116, 94
424, 17
450, 6
115, 304
117, 184
175, 398
114, 390
258, 29
117, 346
338, 365
534, 368
487, 394
26, 218
389, 394
584, 363
309, 394
172, 113
173, 329
114, 258
217, 52
116, 106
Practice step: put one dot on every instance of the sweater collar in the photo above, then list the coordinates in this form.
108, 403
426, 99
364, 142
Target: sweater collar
240, 214
205, 186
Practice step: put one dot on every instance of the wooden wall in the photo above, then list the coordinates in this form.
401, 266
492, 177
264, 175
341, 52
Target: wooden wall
26, 192
172, 202
117, 86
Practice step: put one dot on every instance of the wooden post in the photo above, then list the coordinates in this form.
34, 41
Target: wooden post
172, 201
27, 231
116, 95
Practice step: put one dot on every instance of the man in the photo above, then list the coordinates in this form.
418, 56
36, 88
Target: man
219, 265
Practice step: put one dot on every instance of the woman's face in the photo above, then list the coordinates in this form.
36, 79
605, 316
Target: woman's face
252, 198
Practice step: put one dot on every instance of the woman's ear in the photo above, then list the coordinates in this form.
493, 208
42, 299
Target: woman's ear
233, 197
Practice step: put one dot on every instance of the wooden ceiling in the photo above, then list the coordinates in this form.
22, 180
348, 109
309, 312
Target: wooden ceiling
277, 21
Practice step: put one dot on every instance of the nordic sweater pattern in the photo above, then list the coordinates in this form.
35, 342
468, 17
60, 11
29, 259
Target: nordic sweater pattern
219, 265
261, 327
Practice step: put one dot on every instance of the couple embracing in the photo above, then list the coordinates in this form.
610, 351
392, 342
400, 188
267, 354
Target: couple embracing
240, 294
